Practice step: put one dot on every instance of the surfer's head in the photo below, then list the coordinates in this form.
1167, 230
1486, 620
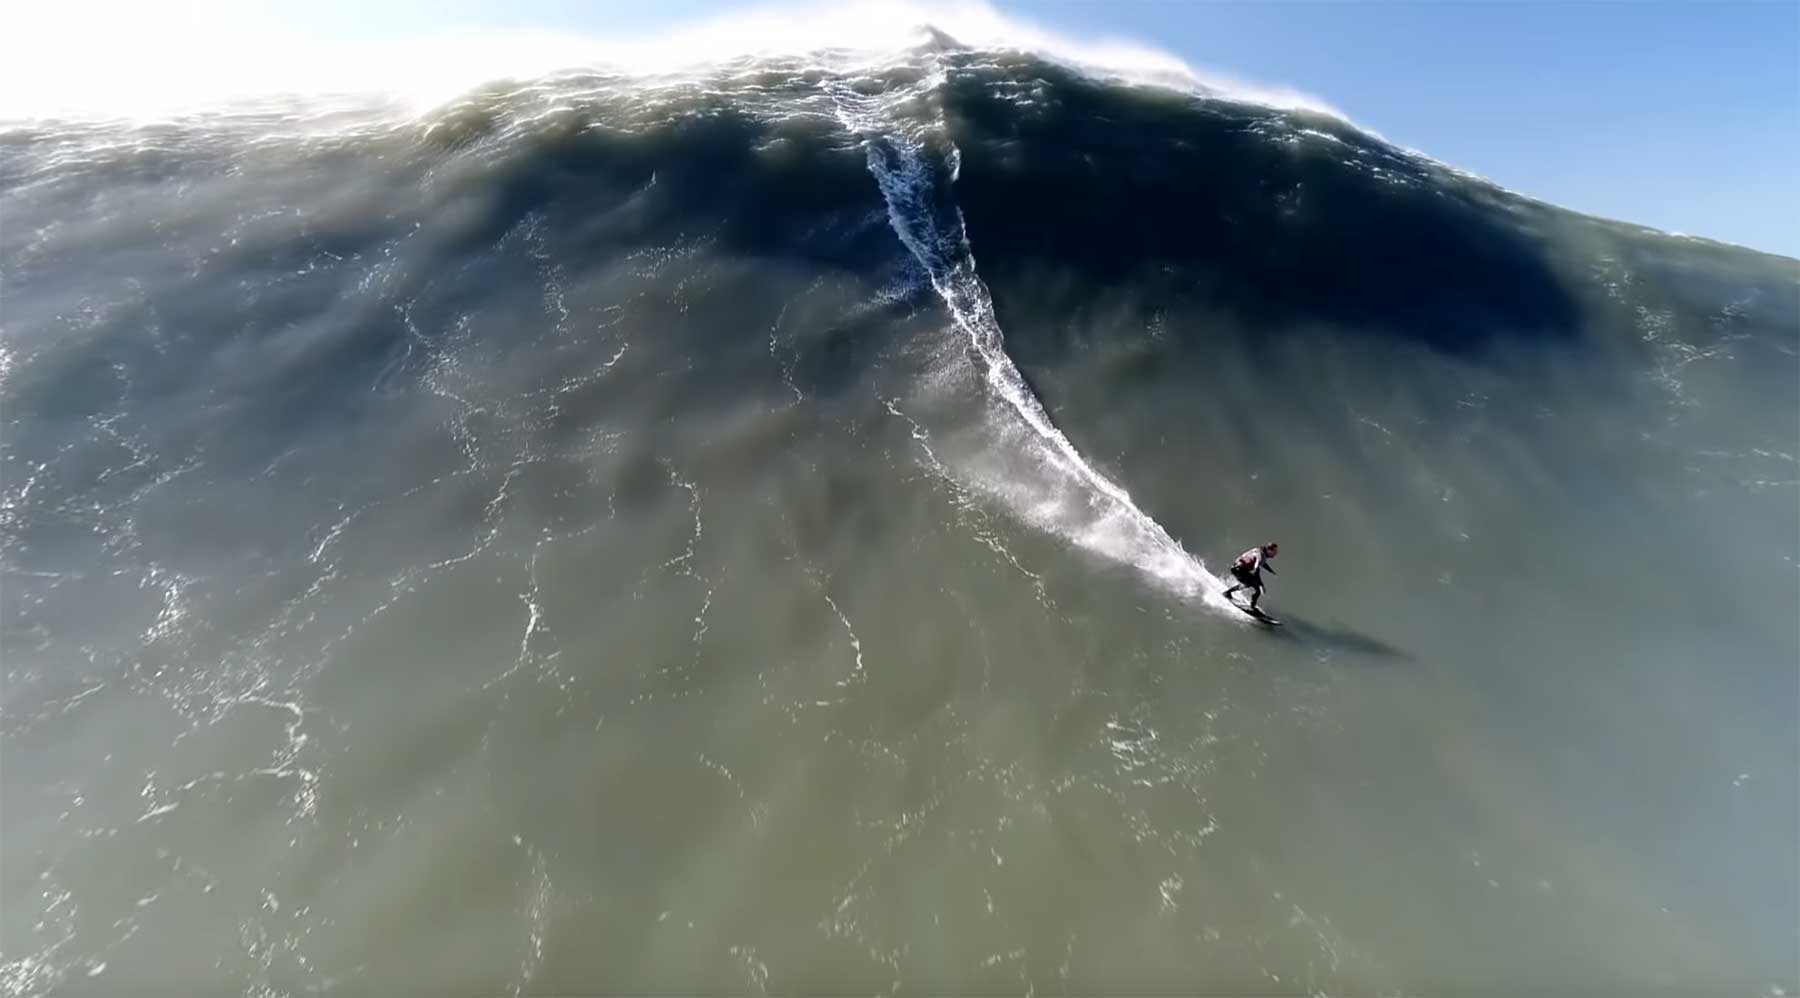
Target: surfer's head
1271, 549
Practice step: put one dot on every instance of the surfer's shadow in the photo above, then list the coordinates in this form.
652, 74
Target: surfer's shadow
1342, 639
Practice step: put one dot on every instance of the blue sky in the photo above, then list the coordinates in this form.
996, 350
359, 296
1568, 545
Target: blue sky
1681, 116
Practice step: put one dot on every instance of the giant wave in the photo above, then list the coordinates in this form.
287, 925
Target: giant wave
750, 528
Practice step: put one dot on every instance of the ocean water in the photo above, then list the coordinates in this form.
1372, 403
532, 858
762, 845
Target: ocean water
760, 531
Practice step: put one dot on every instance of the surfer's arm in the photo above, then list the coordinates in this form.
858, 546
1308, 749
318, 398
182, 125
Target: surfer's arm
1269, 568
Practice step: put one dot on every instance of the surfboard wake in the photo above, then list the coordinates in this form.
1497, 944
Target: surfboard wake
1041, 478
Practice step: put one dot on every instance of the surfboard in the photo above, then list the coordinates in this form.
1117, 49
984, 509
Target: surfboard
1257, 614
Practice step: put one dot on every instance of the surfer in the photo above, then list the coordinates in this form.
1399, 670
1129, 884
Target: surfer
1248, 569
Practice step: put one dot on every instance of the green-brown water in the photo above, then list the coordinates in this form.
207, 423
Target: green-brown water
763, 535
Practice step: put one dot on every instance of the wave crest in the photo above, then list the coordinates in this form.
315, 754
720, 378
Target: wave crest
147, 64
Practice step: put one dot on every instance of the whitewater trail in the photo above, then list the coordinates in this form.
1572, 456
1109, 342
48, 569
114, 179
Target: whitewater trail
1061, 493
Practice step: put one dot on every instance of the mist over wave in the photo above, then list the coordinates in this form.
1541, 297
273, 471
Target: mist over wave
148, 64
749, 529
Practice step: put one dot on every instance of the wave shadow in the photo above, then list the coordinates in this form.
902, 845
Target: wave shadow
1341, 639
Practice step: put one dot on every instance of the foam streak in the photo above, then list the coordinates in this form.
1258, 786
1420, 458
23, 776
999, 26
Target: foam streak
1065, 495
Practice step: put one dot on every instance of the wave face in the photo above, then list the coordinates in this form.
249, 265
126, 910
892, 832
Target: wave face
752, 532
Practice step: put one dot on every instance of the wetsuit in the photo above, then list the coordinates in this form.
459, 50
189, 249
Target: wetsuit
1247, 570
